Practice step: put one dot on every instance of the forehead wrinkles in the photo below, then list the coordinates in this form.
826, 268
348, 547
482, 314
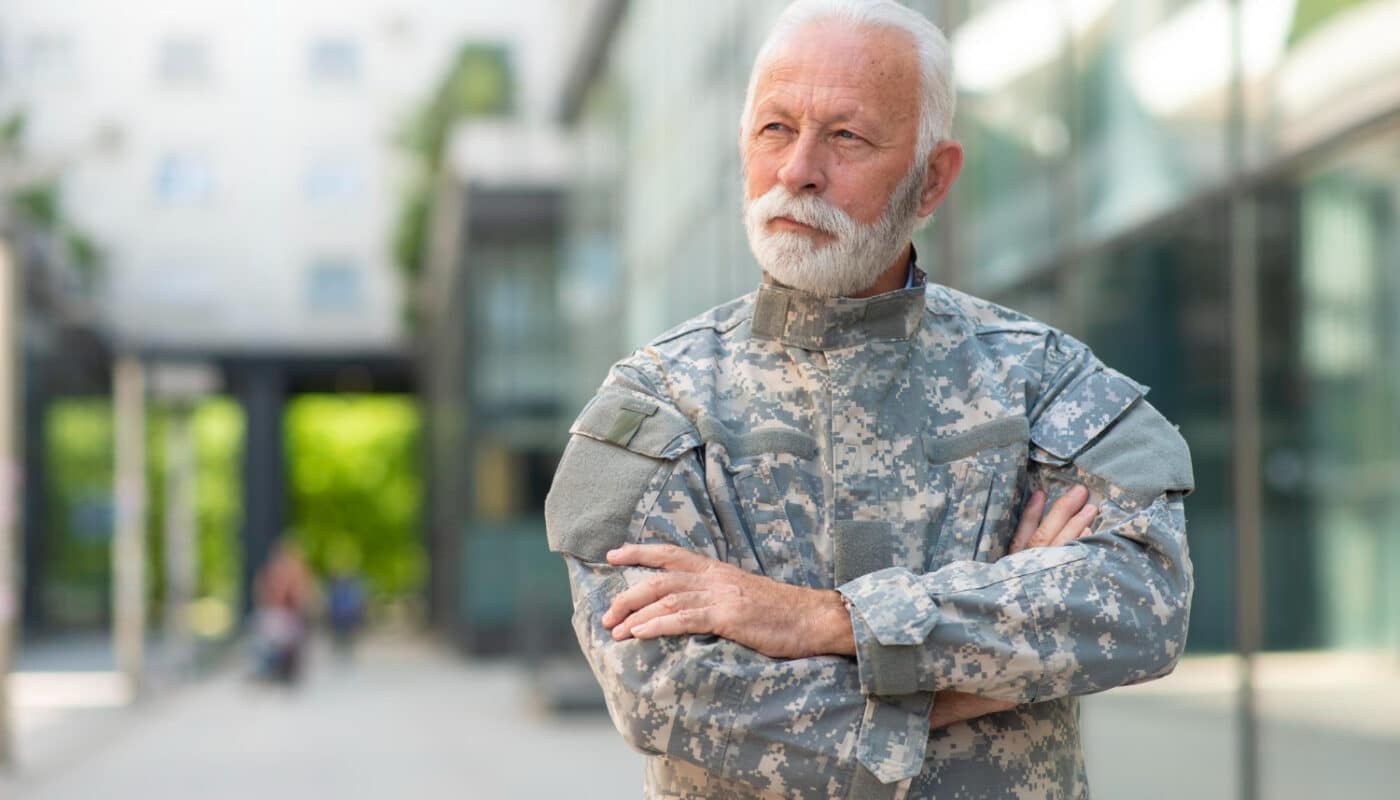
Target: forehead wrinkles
833, 72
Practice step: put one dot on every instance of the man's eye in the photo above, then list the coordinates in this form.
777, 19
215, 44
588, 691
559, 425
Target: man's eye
846, 135
775, 126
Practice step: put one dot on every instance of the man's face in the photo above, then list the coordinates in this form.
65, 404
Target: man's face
830, 196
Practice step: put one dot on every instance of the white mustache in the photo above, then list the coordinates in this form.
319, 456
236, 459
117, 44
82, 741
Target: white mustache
807, 209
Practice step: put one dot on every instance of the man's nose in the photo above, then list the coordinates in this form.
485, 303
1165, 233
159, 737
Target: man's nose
804, 170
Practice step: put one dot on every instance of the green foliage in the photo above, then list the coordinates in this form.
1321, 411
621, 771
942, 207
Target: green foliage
218, 438
12, 131
356, 487
1311, 15
355, 493
479, 83
85, 253
411, 229
79, 442
39, 204
78, 436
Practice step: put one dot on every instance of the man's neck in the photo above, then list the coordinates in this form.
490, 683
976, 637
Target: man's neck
893, 278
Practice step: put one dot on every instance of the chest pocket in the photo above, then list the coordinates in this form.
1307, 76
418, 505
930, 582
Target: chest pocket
984, 469
759, 483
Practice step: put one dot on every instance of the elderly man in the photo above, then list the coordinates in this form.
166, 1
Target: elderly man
854, 534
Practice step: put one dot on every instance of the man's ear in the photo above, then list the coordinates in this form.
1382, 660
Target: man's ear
944, 165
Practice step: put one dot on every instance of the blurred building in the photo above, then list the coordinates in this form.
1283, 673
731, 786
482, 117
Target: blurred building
239, 169
497, 349
247, 189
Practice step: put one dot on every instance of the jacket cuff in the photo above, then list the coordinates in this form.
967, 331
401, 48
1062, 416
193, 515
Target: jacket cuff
891, 616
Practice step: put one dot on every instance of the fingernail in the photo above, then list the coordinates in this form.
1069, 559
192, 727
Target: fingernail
1092, 509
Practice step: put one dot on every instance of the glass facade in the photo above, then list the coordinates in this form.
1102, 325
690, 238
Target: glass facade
1150, 175
1204, 142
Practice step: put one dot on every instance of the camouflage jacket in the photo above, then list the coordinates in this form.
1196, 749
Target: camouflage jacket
883, 447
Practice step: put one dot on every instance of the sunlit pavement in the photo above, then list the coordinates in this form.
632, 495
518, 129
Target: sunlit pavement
410, 720
1328, 727
406, 719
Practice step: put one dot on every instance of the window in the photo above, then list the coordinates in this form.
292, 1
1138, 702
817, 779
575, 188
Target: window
333, 286
335, 60
184, 61
50, 59
332, 181
184, 179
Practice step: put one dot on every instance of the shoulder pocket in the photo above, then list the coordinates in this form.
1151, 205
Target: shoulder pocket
1081, 412
623, 444
636, 422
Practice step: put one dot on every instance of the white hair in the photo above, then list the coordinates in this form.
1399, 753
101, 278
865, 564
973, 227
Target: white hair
935, 62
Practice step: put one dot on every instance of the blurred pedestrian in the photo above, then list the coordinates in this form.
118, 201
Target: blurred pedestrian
345, 608
283, 593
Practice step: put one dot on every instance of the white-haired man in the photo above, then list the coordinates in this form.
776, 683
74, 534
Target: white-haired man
853, 534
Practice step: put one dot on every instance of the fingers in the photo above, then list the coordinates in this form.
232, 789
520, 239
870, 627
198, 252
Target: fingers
1070, 504
646, 593
658, 556
687, 620
1077, 526
1030, 518
670, 604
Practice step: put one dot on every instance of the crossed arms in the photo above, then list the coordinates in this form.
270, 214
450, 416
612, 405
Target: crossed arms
703, 662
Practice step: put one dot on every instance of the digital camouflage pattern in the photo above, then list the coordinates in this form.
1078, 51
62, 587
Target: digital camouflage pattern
882, 447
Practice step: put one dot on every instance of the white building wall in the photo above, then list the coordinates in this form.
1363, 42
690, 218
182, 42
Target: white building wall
267, 170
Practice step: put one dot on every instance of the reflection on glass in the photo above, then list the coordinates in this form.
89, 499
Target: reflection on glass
1013, 122
1327, 66
1151, 87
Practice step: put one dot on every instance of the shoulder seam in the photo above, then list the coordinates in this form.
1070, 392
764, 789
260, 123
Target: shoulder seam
709, 325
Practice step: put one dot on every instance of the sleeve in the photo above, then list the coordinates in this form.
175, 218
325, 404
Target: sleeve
1106, 610
633, 471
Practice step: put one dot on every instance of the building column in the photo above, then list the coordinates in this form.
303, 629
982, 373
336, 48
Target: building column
11, 576
263, 391
33, 491
129, 542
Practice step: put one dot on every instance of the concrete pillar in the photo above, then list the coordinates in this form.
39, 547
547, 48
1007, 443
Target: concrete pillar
180, 535
11, 578
129, 540
264, 470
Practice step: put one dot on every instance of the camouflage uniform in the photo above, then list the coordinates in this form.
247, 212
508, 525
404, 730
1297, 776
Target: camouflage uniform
883, 447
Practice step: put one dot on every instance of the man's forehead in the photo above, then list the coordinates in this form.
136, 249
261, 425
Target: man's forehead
849, 66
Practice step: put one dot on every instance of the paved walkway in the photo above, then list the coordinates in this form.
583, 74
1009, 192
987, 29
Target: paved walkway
407, 720
411, 720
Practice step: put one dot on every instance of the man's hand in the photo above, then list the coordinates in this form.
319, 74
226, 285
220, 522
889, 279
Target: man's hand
1069, 518
697, 594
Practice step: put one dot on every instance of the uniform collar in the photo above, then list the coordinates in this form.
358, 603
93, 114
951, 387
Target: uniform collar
805, 320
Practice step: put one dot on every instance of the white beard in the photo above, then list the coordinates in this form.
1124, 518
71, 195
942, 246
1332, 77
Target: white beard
853, 261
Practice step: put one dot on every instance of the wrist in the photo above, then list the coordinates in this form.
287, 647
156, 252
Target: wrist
835, 634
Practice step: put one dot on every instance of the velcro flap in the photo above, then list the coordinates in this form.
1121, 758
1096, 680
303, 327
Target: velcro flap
943, 447
1083, 410
637, 422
